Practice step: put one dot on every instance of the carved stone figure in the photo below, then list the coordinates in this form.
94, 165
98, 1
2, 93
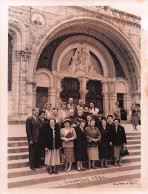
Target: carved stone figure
80, 60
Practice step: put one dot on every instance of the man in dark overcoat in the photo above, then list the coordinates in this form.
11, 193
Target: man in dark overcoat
32, 131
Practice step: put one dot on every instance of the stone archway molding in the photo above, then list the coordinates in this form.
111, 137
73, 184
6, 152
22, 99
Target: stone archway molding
48, 73
122, 80
21, 28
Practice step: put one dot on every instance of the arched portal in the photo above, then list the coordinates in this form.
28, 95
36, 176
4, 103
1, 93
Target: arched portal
109, 49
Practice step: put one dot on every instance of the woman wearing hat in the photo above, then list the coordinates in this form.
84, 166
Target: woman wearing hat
68, 135
81, 146
52, 146
93, 138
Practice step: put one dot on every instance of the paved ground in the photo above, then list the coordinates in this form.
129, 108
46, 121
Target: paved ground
19, 130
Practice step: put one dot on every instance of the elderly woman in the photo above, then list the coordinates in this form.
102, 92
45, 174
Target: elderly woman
81, 146
118, 139
68, 135
93, 138
105, 143
52, 146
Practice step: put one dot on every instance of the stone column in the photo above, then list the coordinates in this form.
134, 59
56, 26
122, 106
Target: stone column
127, 104
83, 81
112, 96
16, 84
25, 55
52, 94
31, 97
105, 98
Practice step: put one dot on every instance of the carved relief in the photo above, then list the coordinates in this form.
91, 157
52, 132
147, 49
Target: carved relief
81, 60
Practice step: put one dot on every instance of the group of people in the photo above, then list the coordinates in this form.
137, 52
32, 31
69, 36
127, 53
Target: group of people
81, 132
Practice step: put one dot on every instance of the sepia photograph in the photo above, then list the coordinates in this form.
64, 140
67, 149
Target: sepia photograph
73, 97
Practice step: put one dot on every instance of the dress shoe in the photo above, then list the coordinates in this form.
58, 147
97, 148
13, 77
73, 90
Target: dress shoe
65, 170
83, 169
50, 173
79, 170
106, 166
32, 168
93, 167
38, 166
55, 172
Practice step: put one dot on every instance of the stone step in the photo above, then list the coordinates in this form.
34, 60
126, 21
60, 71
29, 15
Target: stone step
131, 142
25, 162
24, 144
23, 149
17, 144
69, 179
17, 138
133, 147
24, 138
127, 184
19, 156
18, 150
25, 171
133, 138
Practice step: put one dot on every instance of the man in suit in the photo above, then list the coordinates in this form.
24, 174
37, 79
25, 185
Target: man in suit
32, 131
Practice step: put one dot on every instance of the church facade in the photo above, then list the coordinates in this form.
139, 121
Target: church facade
88, 53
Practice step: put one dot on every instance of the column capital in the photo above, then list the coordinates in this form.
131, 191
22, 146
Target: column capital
22, 55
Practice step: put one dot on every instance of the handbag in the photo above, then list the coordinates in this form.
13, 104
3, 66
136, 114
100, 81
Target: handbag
124, 151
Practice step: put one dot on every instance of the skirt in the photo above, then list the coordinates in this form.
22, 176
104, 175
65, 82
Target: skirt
135, 120
69, 154
52, 157
117, 150
93, 153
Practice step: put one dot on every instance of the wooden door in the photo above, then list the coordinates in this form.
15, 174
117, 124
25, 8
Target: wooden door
41, 97
70, 88
94, 94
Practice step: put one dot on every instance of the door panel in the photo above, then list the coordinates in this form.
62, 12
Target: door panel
70, 88
41, 97
94, 93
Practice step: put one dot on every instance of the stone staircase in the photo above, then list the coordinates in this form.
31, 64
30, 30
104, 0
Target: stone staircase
20, 175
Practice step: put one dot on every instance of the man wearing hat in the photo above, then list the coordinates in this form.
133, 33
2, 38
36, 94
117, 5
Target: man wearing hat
32, 131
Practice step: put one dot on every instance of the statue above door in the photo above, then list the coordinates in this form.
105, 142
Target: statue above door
81, 61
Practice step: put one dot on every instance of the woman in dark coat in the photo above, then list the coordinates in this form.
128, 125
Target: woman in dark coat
81, 146
52, 146
118, 139
104, 147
